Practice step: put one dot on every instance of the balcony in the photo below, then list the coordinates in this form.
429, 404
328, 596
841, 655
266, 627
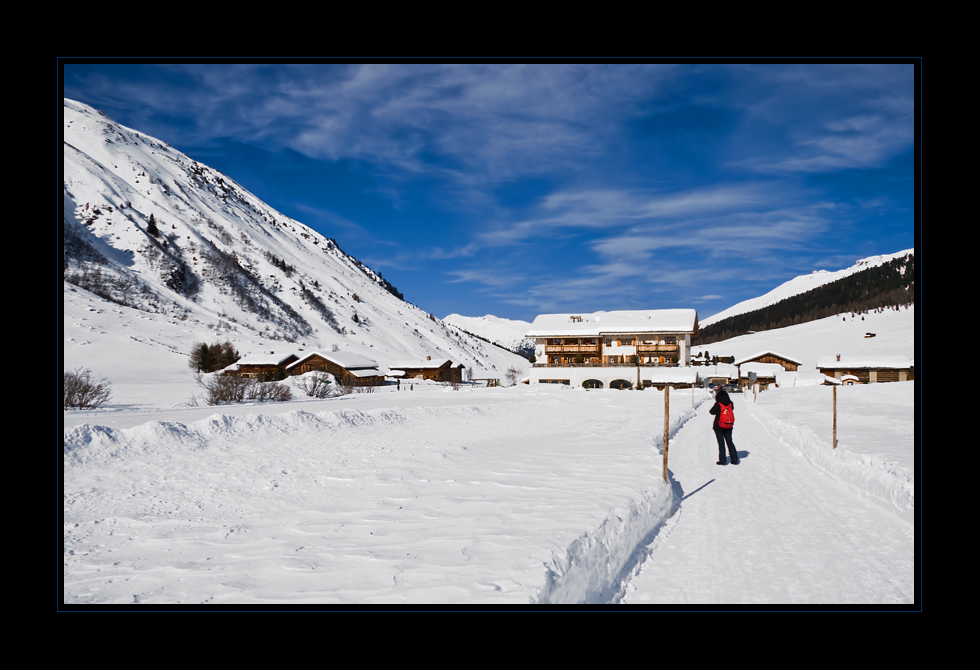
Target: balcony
580, 349
587, 364
658, 349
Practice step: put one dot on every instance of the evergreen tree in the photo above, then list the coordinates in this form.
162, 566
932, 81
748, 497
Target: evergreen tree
200, 358
151, 226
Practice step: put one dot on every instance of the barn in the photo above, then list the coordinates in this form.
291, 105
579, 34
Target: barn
262, 366
356, 369
440, 370
868, 370
788, 364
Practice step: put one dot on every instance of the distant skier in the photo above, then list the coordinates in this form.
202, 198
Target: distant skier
723, 411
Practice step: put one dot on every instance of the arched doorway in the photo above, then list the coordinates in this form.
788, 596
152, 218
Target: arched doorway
592, 384
620, 384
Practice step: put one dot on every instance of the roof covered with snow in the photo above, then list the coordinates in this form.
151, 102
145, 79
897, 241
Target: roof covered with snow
764, 369
344, 359
715, 371
599, 323
364, 372
263, 359
672, 375
831, 362
421, 365
746, 359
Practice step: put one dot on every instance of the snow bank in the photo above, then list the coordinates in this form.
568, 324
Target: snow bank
875, 435
595, 567
597, 564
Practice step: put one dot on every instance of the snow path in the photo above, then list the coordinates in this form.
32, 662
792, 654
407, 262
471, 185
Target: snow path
773, 530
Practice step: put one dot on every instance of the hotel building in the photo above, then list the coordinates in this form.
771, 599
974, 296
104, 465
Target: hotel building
612, 349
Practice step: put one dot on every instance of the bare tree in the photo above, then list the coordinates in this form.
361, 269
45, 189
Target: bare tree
80, 391
222, 388
513, 374
315, 384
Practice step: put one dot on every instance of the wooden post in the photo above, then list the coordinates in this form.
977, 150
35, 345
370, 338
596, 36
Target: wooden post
666, 425
835, 417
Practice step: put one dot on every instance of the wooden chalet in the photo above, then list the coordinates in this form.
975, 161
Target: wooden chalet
763, 367
357, 369
262, 366
441, 370
867, 371
788, 364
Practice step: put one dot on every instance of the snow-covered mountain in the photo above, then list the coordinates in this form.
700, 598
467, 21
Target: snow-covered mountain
508, 333
802, 284
158, 236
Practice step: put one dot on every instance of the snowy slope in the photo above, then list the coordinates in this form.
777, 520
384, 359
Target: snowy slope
508, 333
844, 334
224, 265
801, 284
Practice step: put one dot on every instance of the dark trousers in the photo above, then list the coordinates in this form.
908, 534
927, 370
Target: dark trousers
725, 437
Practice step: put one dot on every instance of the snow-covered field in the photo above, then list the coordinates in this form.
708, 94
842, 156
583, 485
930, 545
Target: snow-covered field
489, 497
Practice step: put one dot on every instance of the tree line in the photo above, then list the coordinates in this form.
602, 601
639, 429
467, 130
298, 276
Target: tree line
889, 285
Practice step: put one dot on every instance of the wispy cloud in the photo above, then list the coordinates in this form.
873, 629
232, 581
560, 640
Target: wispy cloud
547, 185
612, 209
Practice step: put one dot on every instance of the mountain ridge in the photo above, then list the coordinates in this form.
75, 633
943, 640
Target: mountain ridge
870, 284
147, 227
802, 284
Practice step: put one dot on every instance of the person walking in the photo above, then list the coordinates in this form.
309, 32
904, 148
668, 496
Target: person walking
723, 411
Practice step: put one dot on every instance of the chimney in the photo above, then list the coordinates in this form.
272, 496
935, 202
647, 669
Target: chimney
838, 357
429, 358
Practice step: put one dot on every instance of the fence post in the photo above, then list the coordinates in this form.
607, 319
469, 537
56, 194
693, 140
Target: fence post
666, 425
835, 417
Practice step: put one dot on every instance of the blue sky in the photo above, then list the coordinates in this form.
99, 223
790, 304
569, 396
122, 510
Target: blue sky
516, 190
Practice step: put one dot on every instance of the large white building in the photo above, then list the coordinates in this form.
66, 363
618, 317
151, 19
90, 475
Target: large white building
613, 349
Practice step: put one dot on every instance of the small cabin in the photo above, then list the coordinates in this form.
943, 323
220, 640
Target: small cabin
262, 366
441, 370
360, 370
788, 364
867, 371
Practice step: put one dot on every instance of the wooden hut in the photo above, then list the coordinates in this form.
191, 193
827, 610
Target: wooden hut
868, 371
359, 370
262, 366
441, 370
788, 364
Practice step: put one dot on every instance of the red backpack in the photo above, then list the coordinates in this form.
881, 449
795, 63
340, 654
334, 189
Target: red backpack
726, 418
